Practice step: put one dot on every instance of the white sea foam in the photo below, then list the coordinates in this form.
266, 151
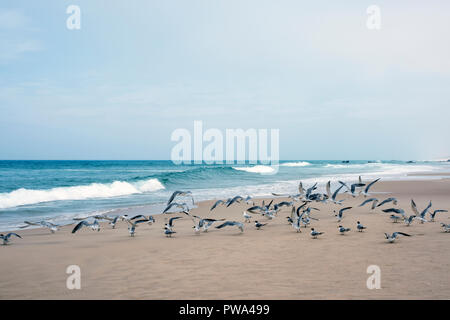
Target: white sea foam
296, 164
256, 169
23, 196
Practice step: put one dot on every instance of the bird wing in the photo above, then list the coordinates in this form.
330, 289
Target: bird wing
328, 189
371, 184
79, 226
425, 210
414, 207
13, 234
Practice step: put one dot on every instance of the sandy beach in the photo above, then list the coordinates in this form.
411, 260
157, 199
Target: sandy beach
272, 263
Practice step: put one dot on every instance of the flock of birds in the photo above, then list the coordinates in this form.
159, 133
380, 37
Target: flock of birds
300, 215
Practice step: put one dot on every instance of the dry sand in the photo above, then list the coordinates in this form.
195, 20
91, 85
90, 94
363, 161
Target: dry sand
272, 263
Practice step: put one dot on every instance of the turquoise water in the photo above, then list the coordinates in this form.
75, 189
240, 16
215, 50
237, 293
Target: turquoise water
60, 190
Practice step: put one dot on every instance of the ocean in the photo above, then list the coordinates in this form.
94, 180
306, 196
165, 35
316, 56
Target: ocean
60, 190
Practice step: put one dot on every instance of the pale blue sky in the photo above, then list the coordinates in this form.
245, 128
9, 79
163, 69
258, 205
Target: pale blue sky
118, 87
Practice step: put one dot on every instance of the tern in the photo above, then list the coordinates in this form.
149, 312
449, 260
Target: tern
374, 203
218, 202
6, 237
396, 210
392, 237
360, 227
333, 196
315, 234
237, 199
231, 223
168, 232
182, 206
246, 216
51, 226
95, 226
393, 200
366, 190
341, 212
182, 194
434, 213
446, 227
259, 225
420, 216
132, 226
170, 224
343, 230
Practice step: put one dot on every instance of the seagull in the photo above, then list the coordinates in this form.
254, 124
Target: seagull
259, 225
396, 210
421, 216
446, 227
151, 220
94, 226
168, 232
51, 226
180, 193
6, 237
409, 220
231, 223
208, 223
170, 224
393, 237
366, 190
315, 234
216, 204
233, 200
394, 201
333, 197
354, 186
360, 227
248, 199
182, 206
343, 230
246, 216
132, 226
434, 213
374, 203
341, 212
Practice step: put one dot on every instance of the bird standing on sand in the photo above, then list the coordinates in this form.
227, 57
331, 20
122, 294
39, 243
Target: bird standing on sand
394, 218
315, 234
360, 227
343, 230
246, 216
392, 237
168, 232
6, 237
446, 227
258, 225
170, 224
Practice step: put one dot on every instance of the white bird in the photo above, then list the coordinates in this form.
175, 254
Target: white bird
95, 226
315, 234
434, 213
343, 230
132, 226
393, 200
6, 237
246, 216
51, 226
360, 227
232, 223
374, 203
341, 212
446, 227
259, 225
180, 193
392, 237
366, 190
168, 232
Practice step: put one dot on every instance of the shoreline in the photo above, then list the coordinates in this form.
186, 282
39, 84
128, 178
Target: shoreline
272, 263
147, 209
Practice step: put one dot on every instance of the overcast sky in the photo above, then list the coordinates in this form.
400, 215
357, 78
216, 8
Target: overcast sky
137, 70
